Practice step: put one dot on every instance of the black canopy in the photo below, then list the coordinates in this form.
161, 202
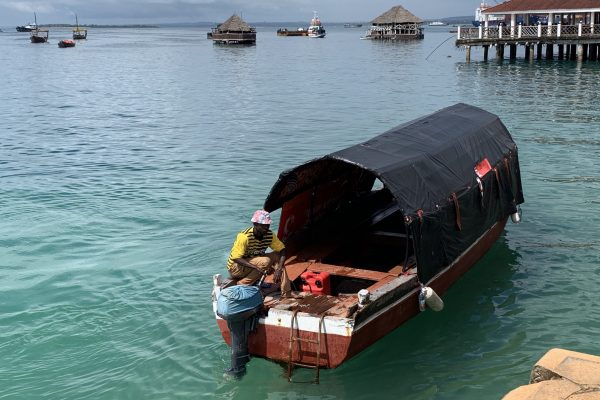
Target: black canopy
428, 167
421, 162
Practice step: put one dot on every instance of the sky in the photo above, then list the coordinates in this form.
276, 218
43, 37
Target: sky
19, 12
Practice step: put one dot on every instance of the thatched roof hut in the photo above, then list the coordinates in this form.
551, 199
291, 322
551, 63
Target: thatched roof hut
396, 24
396, 15
234, 24
233, 31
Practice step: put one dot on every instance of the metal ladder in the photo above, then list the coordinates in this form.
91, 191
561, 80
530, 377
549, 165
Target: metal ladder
294, 339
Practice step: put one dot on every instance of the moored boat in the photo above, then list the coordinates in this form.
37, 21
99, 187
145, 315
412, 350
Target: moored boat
66, 43
493, 20
29, 27
315, 29
78, 32
293, 32
38, 35
379, 230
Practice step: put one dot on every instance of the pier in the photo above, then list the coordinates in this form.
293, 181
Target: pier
571, 42
571, 27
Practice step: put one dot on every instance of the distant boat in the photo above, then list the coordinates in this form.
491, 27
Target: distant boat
79, 33
493, 20
316, 30
352, 25
437, 23
66, 43
287, 32
27, 28
38, 35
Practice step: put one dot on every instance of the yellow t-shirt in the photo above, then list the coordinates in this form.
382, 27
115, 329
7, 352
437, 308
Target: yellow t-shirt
248, 246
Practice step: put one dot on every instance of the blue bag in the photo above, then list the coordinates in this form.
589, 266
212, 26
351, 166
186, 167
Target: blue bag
239, 301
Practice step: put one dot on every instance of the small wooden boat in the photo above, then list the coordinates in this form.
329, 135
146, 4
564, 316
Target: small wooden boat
376, 232
38, 35
66, 43
79, 33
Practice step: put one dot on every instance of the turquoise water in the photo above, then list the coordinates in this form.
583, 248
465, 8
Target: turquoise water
129, 162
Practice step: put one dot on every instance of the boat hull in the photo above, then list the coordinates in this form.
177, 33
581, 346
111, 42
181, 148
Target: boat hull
66, 43
39, 39
271, 339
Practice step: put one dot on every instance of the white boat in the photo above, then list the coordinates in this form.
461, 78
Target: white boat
437, 23
480, 19
315, 28
29, 27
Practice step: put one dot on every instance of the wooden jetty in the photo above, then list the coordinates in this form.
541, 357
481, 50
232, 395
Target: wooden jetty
233, 31
396, 24
572, 27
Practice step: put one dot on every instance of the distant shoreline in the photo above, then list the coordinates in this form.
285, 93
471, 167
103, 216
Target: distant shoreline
96, 26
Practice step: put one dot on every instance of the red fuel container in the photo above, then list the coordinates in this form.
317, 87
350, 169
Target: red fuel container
316, 282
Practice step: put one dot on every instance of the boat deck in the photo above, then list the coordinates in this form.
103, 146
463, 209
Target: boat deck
342, 305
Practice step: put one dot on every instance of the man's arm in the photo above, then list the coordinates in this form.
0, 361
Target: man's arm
279, 267
245, 263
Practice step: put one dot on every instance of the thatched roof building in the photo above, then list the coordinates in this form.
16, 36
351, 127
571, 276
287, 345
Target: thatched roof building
233, 31
234, 24
396, 24
397, 15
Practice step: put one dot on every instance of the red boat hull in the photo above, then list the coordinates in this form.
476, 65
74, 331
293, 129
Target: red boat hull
273, 342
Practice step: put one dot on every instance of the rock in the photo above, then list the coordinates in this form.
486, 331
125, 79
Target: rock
560, 375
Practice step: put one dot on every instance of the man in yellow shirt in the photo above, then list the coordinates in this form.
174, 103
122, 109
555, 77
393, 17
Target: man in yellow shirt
248, 258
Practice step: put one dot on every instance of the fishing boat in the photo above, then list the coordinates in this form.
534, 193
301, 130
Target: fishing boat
377, 232
66, 43
29, 27
38, 35
315, 29
79, 33
437, 23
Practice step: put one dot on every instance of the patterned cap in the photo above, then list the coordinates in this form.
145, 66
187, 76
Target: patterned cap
262, 217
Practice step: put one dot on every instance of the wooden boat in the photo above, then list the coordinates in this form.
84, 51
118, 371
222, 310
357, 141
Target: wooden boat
66, 43
79, 33
370, 230
297, 32
38, 35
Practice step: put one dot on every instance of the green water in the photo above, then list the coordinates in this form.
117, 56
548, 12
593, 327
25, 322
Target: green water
130, 162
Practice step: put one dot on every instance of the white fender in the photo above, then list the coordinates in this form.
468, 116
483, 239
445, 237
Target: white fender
432, 300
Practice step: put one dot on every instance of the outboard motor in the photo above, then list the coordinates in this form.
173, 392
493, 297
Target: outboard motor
239, 305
